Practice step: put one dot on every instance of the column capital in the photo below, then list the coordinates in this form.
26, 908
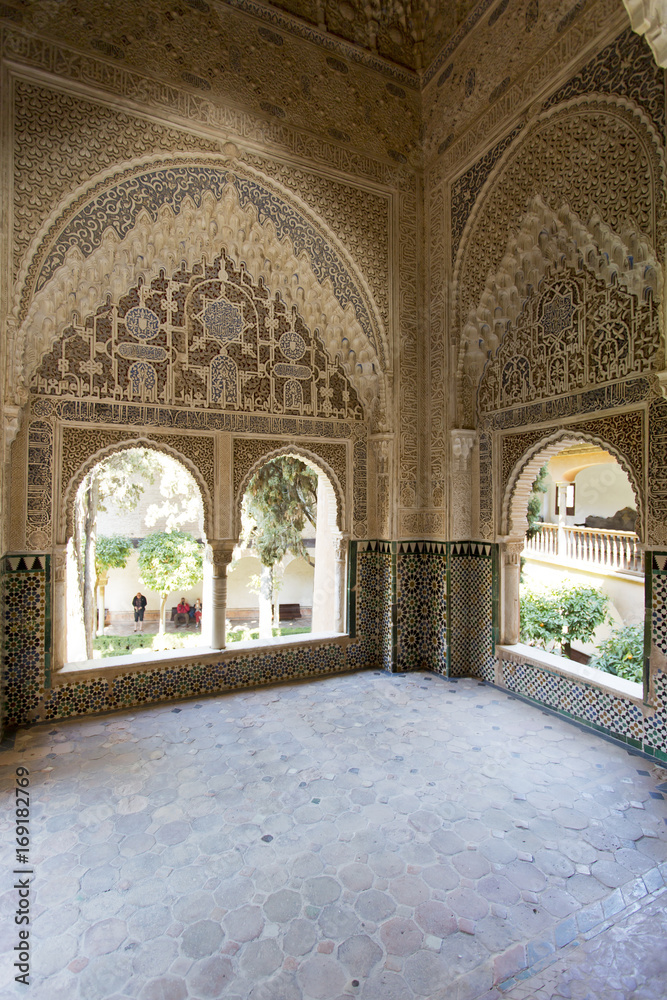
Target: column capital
463, 441
511, 549
220, 551
12, 423
340, 546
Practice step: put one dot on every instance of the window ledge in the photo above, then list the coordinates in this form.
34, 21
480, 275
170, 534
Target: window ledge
617, 686
113, 666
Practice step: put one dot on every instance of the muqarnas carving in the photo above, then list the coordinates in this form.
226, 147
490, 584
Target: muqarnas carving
208, 337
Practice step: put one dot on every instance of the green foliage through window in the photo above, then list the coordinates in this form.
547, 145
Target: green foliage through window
557, 617
111, 552
170, 561
534, 509
622, 653
280, 499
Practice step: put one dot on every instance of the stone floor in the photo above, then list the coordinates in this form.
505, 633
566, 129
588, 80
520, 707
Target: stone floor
377, 836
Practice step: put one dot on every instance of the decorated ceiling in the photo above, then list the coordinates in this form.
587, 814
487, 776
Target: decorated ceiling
409, 32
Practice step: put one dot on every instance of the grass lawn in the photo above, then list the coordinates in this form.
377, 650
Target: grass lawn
123, 645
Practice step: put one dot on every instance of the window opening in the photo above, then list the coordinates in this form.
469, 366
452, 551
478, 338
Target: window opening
135, 555
582, 581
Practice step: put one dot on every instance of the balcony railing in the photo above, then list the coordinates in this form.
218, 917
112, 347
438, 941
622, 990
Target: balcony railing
595, 547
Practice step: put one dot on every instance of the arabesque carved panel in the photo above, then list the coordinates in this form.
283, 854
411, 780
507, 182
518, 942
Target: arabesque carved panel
208, 338
578, 332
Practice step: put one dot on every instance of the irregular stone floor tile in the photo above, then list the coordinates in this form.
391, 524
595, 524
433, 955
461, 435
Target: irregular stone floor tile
367, 835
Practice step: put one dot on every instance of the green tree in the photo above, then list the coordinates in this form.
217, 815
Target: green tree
281, 498
534, 509
169, 561
111, 552
559, 616
121, 477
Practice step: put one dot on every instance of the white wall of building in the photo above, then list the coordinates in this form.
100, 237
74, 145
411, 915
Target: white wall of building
124, 583
297, 583
133, 523
600, 491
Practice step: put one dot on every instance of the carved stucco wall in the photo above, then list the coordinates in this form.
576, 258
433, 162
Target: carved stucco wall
365, 209
318, 244
568, 192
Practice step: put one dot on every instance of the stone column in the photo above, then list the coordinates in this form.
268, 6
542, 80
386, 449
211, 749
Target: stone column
220, 554
561, 493
324, 577
59, 563
510, 552
340, 556
102, 581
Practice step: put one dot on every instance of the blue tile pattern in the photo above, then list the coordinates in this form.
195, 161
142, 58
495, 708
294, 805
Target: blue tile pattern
659, 601
374, 617
26, 627
471, 620
421, 606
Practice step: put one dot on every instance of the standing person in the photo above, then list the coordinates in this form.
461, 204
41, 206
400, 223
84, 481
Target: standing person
139, 604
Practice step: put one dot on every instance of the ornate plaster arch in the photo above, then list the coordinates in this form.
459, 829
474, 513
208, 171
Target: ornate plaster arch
627, 194
151, 215
333, 487
514, 523
70, 488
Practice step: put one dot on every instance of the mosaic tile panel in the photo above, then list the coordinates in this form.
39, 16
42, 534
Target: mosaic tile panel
26, 634
185, 680
531, 682
616, 716
473, 610
373, 593
421, 606
659, 600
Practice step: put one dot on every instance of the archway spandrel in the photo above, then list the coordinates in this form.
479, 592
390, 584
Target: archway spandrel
84, 448
622, 182
152, 219
250, 454
522, 456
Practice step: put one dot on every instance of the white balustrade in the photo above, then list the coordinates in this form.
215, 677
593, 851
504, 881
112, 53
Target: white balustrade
598, 547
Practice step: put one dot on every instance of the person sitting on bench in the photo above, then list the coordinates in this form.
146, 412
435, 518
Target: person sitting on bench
182, 613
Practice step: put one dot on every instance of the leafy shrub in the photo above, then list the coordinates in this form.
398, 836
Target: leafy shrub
541, 620
557, 617
622, 653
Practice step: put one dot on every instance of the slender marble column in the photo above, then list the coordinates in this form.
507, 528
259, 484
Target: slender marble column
340, 557
220, 553
510, 582
59, 564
